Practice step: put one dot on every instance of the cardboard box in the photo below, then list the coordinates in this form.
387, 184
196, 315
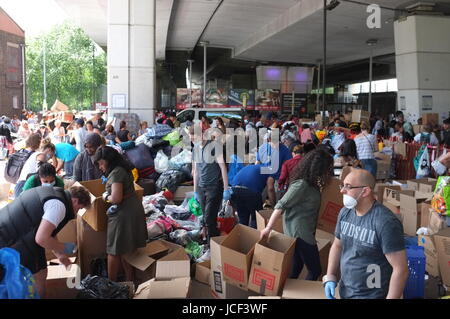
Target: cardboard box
95, 216
203, 272
432, 266
91, 245
141, 259
175, 288
263, 217
57, 281
410, 209
174, 265
417, 129
330, 206
430, 118
379, 190
237, 253
324, 242
442, 242
172, 278
359, 116
272, 263
384, 165
424, 185
305, 289
217, 282
425, 214
67, 235
391, 199
436, 222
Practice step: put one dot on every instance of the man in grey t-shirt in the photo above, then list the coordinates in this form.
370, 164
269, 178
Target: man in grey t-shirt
369, 245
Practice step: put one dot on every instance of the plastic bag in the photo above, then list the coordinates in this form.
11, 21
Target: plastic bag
173, 138
16, 281
226, 219
159, 201
95, 287
194, 250
180, 237
194, 207
423, 169
99, 267
441, 198
176, 162
177, 212
161, 162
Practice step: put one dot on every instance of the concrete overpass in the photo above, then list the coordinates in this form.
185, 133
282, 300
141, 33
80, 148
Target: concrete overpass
245, 33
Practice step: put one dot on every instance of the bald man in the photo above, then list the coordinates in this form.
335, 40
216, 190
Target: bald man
369, 245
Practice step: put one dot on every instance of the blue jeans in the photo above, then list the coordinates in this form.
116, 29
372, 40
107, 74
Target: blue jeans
247, 203
370, 165
68, 168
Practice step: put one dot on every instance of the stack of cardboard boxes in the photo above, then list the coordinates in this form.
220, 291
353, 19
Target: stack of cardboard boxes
411, 201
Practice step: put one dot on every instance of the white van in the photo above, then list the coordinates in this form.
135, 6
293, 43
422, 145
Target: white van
195, 114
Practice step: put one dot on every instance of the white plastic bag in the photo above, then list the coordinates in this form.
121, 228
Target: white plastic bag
176, 162
424, 165
161, 162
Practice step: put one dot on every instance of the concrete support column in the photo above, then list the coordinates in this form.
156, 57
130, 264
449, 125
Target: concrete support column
422, 48
131, 58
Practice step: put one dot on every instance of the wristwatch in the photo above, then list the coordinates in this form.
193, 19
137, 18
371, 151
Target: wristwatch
328, 278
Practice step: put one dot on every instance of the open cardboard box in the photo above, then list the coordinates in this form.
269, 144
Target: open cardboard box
142, 259
424, 185
272, 263
411, 209
203, 272
305, 289
95, 216
263, 217
66, 235
379, 190
172, 278
442, 243
330, 206
432, 267
237, 252
59, 278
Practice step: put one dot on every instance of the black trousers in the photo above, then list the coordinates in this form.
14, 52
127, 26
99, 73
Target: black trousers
211, 200
306, 254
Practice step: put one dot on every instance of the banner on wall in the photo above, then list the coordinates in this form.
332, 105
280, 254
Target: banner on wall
216, 98
241, 98
183, 98
268, 100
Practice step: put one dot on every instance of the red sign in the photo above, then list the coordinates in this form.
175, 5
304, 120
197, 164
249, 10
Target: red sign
259, 275
234, 272
331, 212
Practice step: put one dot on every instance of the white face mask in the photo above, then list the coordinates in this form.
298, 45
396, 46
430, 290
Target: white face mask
350, 202
49, 184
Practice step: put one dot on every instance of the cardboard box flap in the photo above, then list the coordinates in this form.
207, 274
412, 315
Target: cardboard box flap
443, 233
278, 242
142, 290
169, 289
154, 248
69, 232
305, 289
171, 246
175, 265
410, 199
263, 217
324, 235
139, 259
242, 239
60, 272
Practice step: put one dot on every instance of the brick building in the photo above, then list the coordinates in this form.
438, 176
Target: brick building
12, 40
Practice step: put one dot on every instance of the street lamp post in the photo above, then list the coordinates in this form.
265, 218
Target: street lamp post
205, 45
190, 82
371, 43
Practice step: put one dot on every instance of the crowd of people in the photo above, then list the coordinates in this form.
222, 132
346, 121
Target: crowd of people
87, 149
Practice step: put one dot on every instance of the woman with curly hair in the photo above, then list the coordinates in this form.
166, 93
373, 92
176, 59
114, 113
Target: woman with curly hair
300, 209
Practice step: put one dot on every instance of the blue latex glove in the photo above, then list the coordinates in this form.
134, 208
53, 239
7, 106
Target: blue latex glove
104, 179
227, 194
197, 197
330, 287
69, 248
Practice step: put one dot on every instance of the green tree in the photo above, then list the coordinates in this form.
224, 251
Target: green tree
75, 68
